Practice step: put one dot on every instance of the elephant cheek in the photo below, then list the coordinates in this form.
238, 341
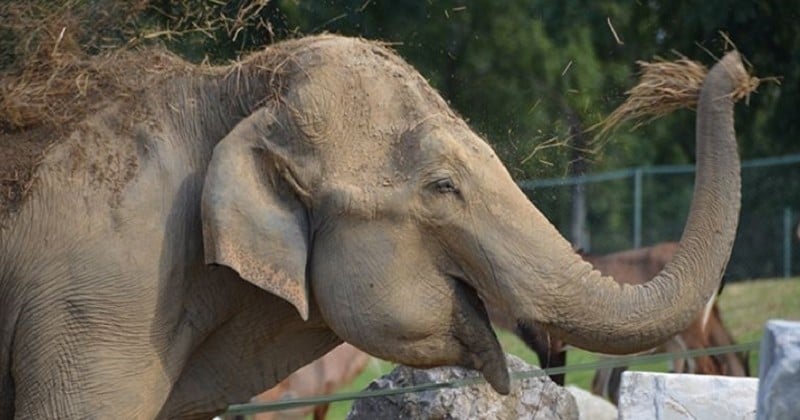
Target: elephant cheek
375, 311
369, 282
418, 321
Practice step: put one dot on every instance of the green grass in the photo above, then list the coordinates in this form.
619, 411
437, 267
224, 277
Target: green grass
744, 307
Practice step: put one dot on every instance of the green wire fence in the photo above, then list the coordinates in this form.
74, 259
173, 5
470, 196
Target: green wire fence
611, 362
633, 207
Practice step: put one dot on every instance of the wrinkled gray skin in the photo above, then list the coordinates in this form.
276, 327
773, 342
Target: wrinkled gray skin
146, 276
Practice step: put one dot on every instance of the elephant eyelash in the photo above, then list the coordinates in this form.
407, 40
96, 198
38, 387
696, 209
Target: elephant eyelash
445, 186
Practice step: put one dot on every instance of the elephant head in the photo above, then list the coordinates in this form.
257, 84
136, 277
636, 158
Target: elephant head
357, 192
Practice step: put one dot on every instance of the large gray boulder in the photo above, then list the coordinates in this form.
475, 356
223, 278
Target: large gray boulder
779, 371
669, 396
533, 398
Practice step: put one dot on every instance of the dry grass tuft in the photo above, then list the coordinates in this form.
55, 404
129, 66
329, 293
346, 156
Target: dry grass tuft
665, 86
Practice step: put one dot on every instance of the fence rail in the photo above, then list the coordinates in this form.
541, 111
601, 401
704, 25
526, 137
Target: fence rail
532, 184
611, 362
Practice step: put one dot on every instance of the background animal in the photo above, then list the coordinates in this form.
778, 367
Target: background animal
606, 382
192, 236
636, 267
320, 377
706, 331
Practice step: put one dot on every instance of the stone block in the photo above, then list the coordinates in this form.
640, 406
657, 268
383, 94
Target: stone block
666, 396
592, 407
779, 371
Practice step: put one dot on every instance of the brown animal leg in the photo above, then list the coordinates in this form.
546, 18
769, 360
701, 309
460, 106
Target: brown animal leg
548, 349
321, 411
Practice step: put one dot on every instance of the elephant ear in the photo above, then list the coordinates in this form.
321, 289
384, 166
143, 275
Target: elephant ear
253, 218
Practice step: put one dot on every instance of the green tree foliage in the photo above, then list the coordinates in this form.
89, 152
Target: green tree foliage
214, 31
526, 73
767, 33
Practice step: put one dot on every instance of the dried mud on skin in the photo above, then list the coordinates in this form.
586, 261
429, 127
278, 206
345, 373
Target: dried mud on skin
40, 110
19, 157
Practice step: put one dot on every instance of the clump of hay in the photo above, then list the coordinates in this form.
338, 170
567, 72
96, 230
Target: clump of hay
47, 65
63, 88
663, 87
58, 63
59, 59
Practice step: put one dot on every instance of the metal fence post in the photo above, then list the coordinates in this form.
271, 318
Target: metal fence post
637, 208
787, 242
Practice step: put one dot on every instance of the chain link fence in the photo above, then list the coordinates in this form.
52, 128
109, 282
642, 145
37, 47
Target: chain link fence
643, 206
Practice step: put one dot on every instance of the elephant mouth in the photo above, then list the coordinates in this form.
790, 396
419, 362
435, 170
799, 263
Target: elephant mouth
480, 348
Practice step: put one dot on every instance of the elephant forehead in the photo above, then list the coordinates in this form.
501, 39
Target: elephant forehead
441, 140
357, 108
371, 117
315, 110
369, 93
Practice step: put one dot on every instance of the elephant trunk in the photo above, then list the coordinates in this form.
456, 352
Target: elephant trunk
577, 303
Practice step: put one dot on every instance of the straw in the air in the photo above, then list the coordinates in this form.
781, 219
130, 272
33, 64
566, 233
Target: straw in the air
665, 86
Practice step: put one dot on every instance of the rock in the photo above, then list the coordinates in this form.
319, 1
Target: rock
592, 407
531, 398
661, 396
779, 371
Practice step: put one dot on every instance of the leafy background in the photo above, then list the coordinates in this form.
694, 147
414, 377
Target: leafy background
525, 73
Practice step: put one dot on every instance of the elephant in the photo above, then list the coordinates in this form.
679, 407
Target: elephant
189, 244
551, 351
706, 331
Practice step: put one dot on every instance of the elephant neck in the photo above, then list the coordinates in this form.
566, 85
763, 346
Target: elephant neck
205, 109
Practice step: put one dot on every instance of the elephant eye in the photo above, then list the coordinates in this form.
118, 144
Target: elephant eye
445, 186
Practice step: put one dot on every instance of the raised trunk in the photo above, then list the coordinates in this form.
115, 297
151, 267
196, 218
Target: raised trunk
597, 313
